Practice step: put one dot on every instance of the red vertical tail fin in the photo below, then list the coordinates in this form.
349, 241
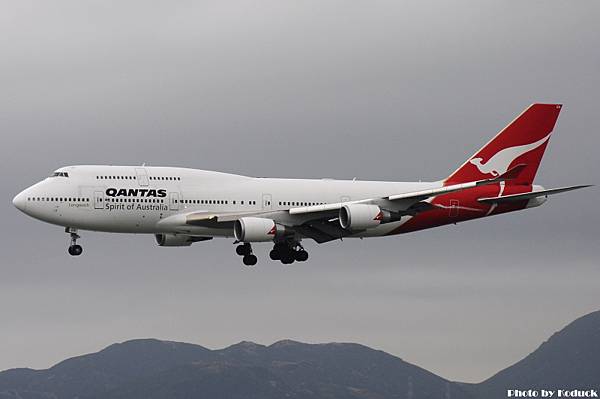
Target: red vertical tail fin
523, 141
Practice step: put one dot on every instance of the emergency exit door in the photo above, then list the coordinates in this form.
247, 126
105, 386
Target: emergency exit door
98, 200
174, 201
142, 177
454, 207
266, 202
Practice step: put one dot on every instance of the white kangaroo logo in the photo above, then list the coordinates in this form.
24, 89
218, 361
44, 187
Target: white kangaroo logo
499, 162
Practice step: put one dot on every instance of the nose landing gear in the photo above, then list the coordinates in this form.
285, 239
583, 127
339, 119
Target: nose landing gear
245, 250
74, 248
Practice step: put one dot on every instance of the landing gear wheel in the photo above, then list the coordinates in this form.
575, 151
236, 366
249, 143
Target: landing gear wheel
243, 249
301, 256
250, 260
75, 250
274, 254
287, 258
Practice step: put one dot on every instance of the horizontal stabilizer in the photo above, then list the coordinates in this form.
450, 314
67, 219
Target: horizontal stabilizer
533, 194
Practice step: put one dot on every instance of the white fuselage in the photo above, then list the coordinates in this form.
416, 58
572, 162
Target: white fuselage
132, 199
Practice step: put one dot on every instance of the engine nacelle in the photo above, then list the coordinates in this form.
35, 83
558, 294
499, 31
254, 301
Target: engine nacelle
174, 240
360, 216
252, 229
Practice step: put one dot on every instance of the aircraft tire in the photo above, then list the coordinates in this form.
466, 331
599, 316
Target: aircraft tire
243, 249
301, 256
275, 254
250, 260
75, 250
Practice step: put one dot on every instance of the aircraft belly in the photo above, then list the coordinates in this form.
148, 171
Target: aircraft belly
382, 229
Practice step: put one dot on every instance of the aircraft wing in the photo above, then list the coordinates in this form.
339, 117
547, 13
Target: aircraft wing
413, 197
324, 226
319, 221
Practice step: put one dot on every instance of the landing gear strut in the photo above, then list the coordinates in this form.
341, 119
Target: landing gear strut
245, 250
74, 248
288, 252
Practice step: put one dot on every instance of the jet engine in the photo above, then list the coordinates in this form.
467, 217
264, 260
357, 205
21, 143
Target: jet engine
364, 216
177, 240
360, 216
252, 229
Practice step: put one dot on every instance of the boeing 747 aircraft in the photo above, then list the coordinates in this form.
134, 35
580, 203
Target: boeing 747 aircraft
180, 206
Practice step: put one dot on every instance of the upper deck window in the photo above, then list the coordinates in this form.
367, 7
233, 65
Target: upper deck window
60, 174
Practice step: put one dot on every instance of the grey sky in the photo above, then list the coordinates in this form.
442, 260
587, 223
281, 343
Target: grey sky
373, 90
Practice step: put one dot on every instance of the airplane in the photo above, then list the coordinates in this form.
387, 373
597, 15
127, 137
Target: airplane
181, 206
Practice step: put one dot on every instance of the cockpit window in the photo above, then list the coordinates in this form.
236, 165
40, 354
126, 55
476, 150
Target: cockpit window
60, 174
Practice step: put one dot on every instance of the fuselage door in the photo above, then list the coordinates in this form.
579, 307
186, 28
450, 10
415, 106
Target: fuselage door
266, 202
454, 207
142, 176
174, 201
98, 200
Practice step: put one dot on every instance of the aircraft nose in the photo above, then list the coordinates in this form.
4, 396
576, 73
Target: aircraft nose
20, 201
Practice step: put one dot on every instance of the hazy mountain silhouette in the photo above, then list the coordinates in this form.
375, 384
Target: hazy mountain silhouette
158, 369
570, 359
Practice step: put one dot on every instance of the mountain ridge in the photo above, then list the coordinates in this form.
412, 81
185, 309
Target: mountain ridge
149, 368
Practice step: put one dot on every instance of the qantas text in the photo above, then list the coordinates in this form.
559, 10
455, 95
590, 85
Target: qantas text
134, 192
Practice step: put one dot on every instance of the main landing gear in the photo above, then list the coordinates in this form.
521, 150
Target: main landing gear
288, 252
245, 250
74, 248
